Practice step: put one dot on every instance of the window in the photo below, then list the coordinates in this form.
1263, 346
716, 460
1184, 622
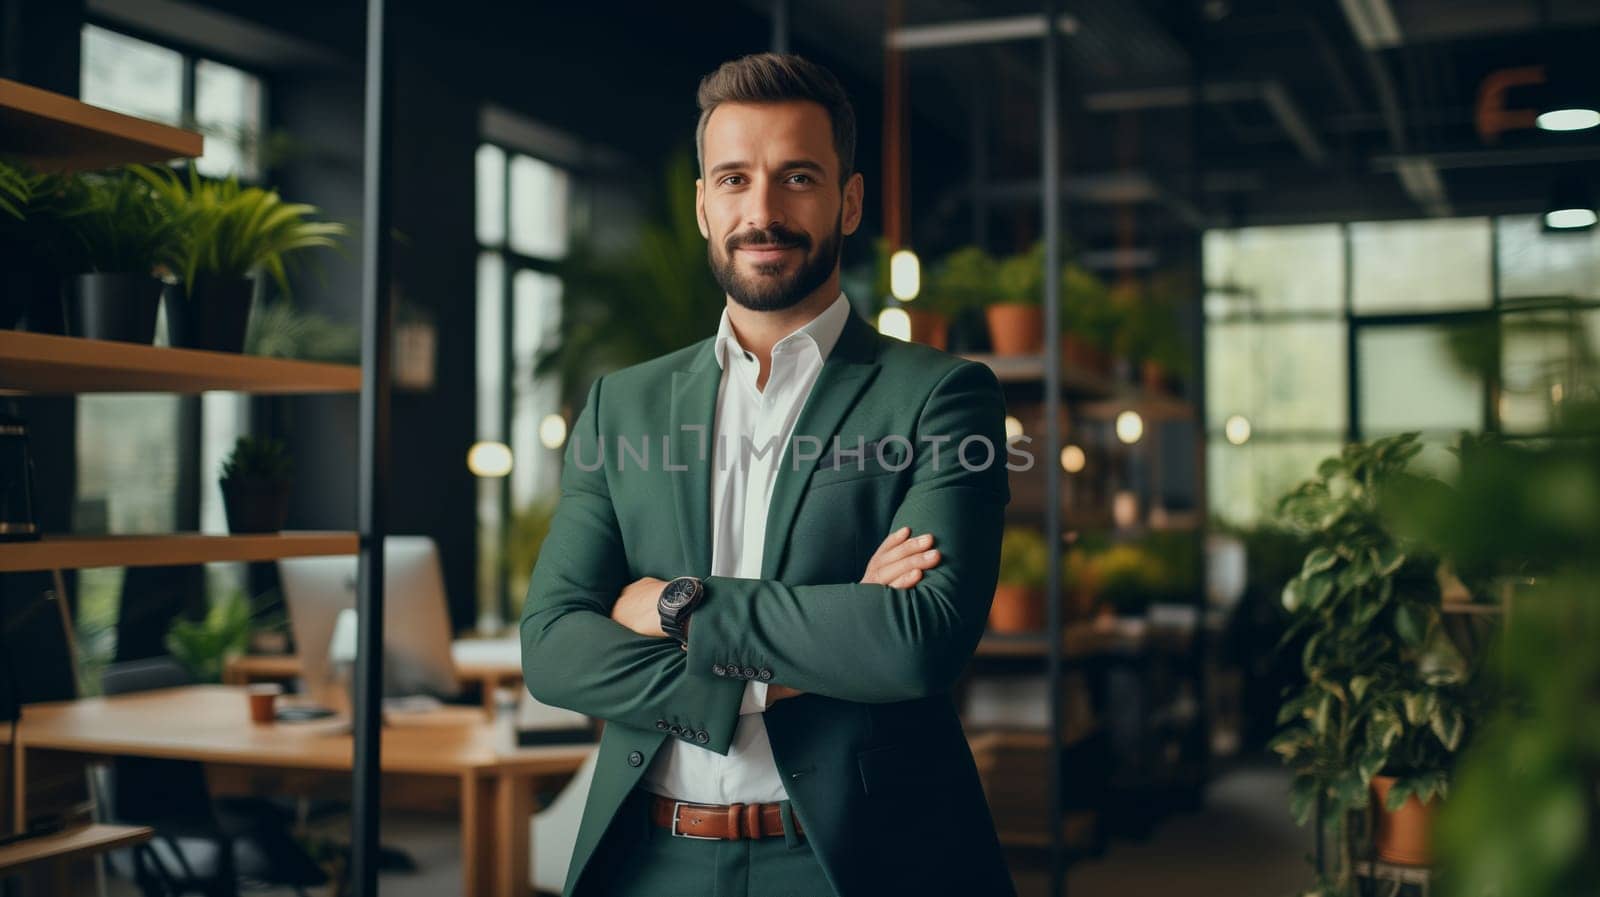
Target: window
1310, 356
523, 223
126, 74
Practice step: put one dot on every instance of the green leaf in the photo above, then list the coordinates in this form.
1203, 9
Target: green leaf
1317, 588
1397, 796
1358, 686
1411, 622
1318, 560
1303, 799
1386, 559
1291, 595
1447, 727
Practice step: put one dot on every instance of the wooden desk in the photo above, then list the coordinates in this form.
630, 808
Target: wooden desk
211, 724
487, 662
57, 852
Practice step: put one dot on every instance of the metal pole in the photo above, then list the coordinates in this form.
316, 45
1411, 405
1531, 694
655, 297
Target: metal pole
780, 26
373, 483
1050, 180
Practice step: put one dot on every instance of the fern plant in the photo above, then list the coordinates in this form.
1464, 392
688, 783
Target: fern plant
110, 223
227, 230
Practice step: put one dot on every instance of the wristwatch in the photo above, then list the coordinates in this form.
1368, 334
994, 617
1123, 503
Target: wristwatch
678, 599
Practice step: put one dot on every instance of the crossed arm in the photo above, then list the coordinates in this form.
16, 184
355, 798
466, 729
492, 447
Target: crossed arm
904, 632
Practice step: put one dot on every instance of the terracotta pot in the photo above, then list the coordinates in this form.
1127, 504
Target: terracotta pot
929, 328
1016, 329
1016, 608
1403, 836
1079, 353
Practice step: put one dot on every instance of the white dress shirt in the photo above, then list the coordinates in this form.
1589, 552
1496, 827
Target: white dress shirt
752, 431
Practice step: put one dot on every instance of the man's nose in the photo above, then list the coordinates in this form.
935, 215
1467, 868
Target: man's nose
764, 206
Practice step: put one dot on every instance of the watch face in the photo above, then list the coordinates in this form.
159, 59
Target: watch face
678, 593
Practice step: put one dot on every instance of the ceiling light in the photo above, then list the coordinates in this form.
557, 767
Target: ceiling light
905, 275
896, 323
1237, 429
1130, 427
489, 459
1573, 119
552, 431
1073, 459
1571, 206
1569, 219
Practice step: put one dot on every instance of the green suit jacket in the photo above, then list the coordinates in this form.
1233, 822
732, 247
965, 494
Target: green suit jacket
873, 755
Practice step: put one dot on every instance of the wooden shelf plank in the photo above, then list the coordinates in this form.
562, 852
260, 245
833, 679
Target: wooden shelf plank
85, 841
42, 363
73, 552
1107, 397
58, 133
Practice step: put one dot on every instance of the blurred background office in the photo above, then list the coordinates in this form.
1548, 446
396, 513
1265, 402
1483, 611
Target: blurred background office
1283, 228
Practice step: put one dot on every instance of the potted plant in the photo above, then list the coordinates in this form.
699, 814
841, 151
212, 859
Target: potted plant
523, 538
1154, 333
205, 646
256, 477
1089, 321
1126, 578
1016, 318
229, 234
1024, 571
1385, 690
113, 235
965, 282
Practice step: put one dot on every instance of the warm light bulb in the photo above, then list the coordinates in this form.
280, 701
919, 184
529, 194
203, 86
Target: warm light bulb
1073, 460
489, 459
905, 275
1567, 219
1013, 428
1568, 119
896, 323
1130, 427
552, 431
1237, 429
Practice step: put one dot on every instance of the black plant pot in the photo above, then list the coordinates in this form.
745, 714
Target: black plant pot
120, 306
213, 314
255, 505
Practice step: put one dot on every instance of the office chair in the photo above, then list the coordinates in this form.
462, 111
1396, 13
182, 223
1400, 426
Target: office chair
201, 845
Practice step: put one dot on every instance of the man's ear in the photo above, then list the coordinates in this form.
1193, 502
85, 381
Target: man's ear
854, 189
700, 207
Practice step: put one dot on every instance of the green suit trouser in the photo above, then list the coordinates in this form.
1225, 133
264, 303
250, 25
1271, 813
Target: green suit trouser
639, 859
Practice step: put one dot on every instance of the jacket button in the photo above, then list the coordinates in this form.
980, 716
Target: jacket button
702, 736
661, 724
718, 669
749, 672
764, 675
677, 730
635, 758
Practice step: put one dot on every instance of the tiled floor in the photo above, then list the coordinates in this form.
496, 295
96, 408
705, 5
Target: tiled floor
1242, 844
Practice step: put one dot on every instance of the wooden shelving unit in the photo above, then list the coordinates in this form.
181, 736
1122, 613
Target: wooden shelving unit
41, 364
68, 845
58, 133
74, 552
1097, 395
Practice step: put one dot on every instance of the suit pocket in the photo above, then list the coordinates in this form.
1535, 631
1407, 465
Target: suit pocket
892, 770
876, 459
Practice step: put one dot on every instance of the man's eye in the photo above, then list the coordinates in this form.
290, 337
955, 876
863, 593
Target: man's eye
731, 178
804, 178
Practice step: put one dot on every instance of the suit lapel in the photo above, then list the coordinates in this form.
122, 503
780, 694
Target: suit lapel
848, 369
693, 419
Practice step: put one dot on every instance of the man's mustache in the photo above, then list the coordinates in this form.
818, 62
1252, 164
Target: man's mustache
772, 236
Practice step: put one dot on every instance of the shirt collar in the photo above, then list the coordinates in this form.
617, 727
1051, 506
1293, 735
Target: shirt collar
821, 331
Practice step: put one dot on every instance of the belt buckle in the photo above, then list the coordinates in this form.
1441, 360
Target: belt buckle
677, 807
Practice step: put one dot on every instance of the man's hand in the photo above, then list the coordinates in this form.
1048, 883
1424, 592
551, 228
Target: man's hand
638, 607
899, 561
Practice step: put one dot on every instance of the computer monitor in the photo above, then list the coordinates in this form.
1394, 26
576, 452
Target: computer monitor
416, 629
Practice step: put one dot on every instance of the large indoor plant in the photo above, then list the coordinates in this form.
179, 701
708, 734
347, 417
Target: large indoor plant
1385, 690
229, 234
1024, 569
1016, 316
256, 478
112, 233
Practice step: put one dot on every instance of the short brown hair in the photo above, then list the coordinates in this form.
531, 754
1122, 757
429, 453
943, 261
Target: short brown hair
777, 78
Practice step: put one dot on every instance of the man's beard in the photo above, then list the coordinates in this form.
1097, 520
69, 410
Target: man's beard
765, 289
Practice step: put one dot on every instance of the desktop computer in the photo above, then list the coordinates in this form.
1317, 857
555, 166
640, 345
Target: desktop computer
321, 596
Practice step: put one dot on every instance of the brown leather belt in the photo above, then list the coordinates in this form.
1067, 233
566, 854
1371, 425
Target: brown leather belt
719, 822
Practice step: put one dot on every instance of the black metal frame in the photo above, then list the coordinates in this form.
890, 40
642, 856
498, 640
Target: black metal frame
373, 481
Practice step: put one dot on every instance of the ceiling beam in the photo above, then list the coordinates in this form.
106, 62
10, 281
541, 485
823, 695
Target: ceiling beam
975, 31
